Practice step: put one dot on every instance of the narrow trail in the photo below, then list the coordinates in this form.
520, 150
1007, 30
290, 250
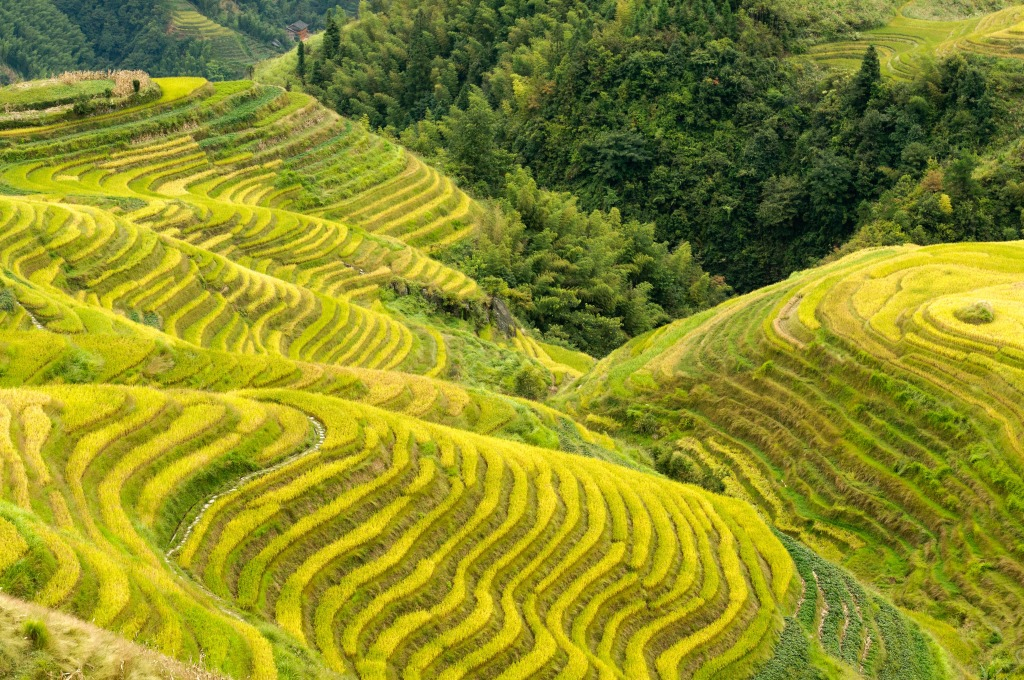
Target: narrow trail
321, 436
35, 321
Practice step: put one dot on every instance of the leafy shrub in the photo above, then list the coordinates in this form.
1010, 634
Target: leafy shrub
83, 106
530, 382
8, 302
76, 366
977, 313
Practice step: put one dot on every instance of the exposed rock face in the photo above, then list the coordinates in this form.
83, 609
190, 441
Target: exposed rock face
502, 317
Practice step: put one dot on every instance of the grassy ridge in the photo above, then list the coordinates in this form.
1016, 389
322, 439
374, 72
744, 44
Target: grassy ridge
35, 640
869, 408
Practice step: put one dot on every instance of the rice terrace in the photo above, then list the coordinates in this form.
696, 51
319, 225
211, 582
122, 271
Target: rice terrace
908, 41
291, 388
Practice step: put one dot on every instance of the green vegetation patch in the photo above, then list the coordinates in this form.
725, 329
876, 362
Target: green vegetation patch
45, 94
976, 313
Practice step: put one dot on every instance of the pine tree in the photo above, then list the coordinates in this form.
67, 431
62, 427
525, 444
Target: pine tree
332, 38
866, 81
300, 69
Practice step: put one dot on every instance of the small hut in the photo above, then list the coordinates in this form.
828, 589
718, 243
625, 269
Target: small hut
298, 31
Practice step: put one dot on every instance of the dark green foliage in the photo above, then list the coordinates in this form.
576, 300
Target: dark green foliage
332, 39
589, 280
531, 382
151, 318
300, 68
8, 302
867, 80
687, 116
46, 37
36, 38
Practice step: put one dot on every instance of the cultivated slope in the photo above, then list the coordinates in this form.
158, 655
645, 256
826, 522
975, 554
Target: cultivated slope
231, 52
269, 471
872, 407
907, 43
372, 537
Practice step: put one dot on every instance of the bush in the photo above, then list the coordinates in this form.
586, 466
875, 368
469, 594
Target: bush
8, 303
530, 382
83, 106
76, 366
36, 632
976, 313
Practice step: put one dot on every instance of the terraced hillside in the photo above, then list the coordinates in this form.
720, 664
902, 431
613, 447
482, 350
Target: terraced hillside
871, 407
345, 532
229, 49
207, 240
223, 435
906, 42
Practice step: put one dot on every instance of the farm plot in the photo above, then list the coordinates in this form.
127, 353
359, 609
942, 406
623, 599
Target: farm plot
906, 43
416, 539
871, 407
275, 500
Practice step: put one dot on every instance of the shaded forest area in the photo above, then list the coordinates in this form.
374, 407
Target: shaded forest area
46, 37
688, 116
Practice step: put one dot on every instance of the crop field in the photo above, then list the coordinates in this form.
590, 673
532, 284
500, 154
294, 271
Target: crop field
229, 49
384, 542
872, 408
223, 437
905, 43
190, 213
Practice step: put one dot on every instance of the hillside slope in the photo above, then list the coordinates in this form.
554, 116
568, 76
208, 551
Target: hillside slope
39, 642
908, 43
249, 420
871, 407
237, 430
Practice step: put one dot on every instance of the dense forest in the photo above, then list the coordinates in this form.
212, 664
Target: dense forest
265, 20
45, 37
688, 116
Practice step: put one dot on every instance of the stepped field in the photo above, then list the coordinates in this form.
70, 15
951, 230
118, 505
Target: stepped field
231, 51
227, 433
906, 42
871, 407
383, 542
